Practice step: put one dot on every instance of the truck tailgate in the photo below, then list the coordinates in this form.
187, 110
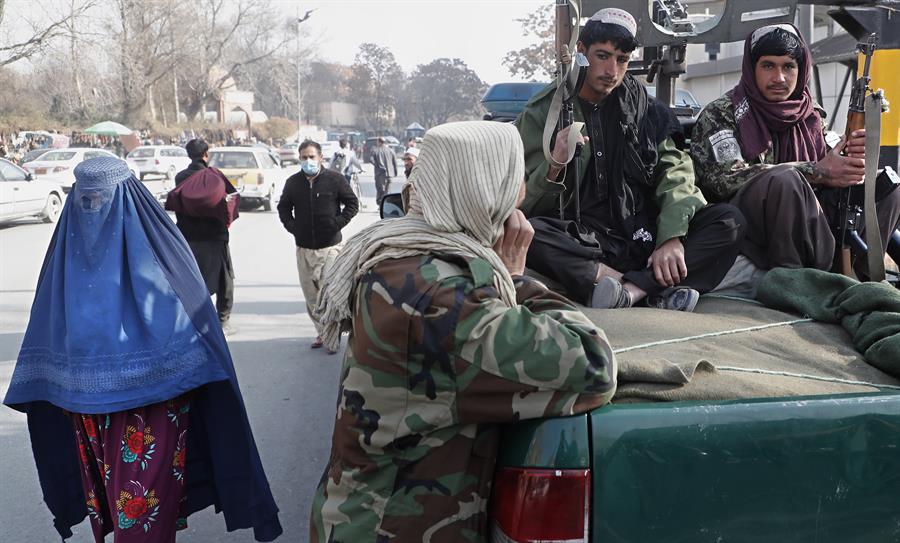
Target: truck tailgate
822, 469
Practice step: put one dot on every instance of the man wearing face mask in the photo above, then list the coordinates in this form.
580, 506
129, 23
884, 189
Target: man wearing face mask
315, 205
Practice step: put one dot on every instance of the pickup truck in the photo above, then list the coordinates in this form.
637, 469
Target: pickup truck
735, 457
735, 423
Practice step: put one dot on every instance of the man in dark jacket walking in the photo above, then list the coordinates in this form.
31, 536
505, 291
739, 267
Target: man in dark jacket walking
315, 205
385, 163
208, 239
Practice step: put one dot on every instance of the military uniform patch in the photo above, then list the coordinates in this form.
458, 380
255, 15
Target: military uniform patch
725, 146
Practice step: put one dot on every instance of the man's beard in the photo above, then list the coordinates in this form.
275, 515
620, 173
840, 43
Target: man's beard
407, 171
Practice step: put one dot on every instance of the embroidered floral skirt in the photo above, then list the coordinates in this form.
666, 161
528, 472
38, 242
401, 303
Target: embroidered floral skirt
133, 471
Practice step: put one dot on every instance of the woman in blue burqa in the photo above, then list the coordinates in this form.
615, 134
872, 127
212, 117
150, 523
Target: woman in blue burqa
133, 406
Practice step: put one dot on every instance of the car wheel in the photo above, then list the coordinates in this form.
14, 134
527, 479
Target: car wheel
53, 208
170, 173
267, 201
141, 176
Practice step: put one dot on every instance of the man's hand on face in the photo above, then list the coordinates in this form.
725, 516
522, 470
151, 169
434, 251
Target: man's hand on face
836, 170
561, 151
512, 247
668, 263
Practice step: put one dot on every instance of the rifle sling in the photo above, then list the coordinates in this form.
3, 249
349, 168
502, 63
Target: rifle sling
875, 253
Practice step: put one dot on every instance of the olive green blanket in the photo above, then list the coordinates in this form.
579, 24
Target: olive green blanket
869, 312
735, 349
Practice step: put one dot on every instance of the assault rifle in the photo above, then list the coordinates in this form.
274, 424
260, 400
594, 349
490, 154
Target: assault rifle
863, 98
570, 73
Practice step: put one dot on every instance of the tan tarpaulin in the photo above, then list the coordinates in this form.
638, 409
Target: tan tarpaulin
731, 349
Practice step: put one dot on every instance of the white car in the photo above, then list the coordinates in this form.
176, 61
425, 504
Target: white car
23, 195
165, 160
59, 165
253, 171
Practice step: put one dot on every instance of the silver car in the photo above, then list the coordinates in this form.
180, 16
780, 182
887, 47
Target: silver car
23, 195
165, 160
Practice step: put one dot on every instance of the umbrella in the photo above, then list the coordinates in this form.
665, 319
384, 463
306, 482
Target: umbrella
108, 128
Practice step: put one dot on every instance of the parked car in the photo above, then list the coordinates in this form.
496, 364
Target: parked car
165, 160
23, 195
33, 155
289, 153
686, 108
253, 171
59, 164
504, 101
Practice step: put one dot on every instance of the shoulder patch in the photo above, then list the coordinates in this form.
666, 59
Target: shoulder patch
725, 146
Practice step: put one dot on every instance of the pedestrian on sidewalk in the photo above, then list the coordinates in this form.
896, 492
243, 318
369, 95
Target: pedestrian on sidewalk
208, 238
385, 164
134, 410
315, 205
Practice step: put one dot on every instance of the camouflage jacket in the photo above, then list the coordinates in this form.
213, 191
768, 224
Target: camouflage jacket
435, 361
721, 169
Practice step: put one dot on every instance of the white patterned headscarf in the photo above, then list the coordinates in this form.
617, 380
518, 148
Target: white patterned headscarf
465, 183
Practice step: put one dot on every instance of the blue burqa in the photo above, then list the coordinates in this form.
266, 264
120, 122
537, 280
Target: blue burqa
122, 319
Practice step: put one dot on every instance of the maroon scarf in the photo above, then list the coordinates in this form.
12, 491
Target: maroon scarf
204, 194
794, 123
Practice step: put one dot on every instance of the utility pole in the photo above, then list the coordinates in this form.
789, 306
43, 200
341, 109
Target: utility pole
299, 90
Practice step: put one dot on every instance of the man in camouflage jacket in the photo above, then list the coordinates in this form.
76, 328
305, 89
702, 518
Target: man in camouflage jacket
444, 348
439, 363
762, 148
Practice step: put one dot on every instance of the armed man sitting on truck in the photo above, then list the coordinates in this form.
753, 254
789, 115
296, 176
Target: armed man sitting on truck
762, 147
646, 232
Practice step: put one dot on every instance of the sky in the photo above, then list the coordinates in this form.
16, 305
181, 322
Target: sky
480, 32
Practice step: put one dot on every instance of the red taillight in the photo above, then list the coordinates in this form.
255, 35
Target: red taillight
547, 505
157, 162
260, 179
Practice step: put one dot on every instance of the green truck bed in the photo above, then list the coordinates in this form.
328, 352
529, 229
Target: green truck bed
729, 455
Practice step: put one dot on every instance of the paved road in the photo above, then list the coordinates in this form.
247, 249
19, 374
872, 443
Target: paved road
289, 389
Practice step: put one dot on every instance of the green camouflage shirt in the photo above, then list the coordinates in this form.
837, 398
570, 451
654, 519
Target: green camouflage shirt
435, 361
721, 169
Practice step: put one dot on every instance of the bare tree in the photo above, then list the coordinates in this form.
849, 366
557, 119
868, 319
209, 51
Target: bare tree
376, 81
536, 61
223, 38
41, 35
147, 36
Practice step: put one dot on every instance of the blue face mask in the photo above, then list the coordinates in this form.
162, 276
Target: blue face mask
310, 166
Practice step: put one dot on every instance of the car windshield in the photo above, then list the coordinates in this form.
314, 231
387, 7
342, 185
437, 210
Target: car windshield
683, 98
33, 155
59, 155
232, 160
141, 153
290, 146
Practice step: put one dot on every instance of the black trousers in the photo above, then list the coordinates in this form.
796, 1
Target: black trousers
214, 260
710, 248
